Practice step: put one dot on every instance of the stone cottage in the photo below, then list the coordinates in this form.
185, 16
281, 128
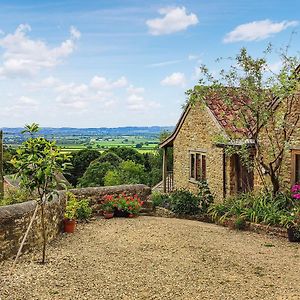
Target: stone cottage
198, 155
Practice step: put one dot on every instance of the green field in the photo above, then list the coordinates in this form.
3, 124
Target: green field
71, 144
141, 144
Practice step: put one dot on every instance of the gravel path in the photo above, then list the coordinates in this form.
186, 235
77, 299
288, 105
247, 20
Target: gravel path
157, 258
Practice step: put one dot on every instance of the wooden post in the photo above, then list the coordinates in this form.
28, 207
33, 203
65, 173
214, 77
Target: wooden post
164, 169
1, 166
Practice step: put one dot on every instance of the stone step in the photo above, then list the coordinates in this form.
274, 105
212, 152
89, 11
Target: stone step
149, 213
148, 204
146, 210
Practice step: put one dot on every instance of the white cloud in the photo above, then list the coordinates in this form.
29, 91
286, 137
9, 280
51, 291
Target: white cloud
138, 103
175, 79
22, 105
257, 30
24, 56
135, 90
136, 100
102, 83
26, 101
164, 63
75, 33
173, 20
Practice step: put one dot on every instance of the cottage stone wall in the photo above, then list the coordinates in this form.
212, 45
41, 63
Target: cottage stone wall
286, 167
198, 132
14, 219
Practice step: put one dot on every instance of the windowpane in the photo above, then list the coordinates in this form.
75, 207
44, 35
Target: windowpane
203, 167
297, 168
192, 166
198, 166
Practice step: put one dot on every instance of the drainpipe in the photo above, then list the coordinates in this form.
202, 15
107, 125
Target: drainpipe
164, 169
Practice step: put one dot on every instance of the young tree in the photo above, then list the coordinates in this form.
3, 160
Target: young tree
269, 106
37, 161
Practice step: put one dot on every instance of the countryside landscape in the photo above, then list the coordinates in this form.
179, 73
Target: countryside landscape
144, 139
149, 150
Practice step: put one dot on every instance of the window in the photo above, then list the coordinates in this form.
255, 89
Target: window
295, 166
197, 166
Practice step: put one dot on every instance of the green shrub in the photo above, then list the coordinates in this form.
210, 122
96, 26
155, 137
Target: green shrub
159, 199
13, 196
184, 202
205, 196
257, 208
95, 174
71, 206
128, 172
84, 211
75, 209
240, 223
217, 210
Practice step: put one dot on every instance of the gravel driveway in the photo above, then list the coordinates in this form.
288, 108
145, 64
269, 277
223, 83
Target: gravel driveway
157, 258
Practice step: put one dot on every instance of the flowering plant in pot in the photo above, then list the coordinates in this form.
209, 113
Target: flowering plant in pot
108, 211
124, 205
134, 205
107, 208
70, 213
291, 221
295, 191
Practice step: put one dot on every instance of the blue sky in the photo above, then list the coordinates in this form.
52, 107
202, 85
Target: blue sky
119, 63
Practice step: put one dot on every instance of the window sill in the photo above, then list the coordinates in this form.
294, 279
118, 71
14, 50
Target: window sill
194, 181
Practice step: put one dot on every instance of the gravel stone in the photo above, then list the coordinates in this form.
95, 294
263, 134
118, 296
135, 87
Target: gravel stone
157, 258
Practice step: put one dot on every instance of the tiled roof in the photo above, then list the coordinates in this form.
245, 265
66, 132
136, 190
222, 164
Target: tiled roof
229, 114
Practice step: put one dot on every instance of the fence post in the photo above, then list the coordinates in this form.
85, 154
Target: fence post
1, 166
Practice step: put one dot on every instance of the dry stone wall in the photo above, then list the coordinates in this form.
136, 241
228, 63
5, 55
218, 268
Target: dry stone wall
14, 219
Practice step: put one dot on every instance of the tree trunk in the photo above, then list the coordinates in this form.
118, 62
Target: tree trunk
44, 232
275, 184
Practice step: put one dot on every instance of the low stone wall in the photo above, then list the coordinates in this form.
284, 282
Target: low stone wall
14, 219
96, 194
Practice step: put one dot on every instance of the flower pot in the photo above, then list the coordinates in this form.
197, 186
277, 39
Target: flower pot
293, 234
108, 215
69, 225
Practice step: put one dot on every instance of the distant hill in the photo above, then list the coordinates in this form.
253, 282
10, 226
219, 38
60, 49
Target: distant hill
95, 131
14, 136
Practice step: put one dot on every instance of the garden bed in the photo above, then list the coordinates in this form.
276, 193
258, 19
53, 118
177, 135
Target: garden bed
258, 228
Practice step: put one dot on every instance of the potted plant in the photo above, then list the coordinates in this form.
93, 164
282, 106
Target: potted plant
70, 213
108, 210
291, 223
134, 205
123, 205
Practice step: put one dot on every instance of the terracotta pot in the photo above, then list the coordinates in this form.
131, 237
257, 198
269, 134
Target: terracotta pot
108, 215
69, 225
293, 235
